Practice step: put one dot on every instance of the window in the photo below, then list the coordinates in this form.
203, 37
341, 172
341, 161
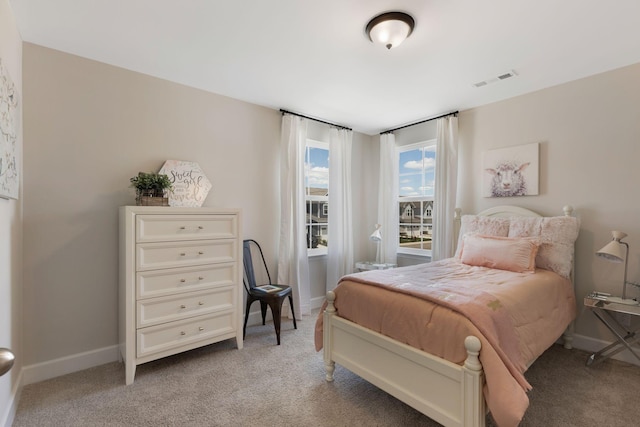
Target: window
416, 178
316, 182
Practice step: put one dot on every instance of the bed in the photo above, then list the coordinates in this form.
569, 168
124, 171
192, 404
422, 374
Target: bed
422, 334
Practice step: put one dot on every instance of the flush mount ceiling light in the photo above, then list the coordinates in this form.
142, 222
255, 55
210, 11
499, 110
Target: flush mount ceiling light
390, 29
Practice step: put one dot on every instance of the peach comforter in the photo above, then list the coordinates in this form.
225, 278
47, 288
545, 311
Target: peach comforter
434, 306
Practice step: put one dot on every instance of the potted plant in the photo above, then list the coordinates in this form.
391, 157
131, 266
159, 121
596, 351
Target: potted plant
151, 189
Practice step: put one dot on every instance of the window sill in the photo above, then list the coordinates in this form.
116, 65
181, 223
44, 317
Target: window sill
316, 254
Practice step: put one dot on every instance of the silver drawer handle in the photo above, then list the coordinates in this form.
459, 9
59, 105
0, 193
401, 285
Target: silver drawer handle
200, 253
182, 254
183, 306
200, 303
200, 278
182, 280
200, 227
201, 329
183, 333
183, 227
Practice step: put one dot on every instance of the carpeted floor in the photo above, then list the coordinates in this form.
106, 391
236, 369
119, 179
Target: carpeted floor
268, 385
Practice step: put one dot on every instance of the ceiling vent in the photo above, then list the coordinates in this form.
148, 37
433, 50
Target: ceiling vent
501, 77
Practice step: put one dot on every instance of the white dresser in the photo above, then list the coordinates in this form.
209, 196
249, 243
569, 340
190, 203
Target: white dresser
180, 281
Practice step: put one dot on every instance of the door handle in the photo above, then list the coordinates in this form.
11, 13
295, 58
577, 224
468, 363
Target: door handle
6, 360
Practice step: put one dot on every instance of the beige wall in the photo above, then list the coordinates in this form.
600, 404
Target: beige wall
89, 128
11, 230
589, 135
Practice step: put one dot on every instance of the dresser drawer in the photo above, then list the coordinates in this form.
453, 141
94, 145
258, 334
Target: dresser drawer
155, 283
183, 254
163, 228
167, 336
175, 307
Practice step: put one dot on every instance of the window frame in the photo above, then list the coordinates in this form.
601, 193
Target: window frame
312, 143
400, 149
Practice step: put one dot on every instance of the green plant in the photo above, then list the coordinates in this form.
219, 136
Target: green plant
152, 183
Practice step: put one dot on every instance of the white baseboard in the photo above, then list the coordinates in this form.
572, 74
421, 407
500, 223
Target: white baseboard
593, 345
66, 365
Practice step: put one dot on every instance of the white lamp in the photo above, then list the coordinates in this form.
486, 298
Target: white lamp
390, 29
376, 236
613, 251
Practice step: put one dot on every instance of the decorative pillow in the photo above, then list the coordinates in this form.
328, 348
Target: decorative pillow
557, 236
504, 253
485, 225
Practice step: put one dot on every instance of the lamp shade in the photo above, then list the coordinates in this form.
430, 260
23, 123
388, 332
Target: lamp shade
614, 251
390, 29
376, 236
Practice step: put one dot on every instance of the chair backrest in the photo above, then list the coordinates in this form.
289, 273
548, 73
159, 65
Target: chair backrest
250, 248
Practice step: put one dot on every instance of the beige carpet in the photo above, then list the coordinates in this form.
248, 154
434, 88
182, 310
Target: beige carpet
269, 385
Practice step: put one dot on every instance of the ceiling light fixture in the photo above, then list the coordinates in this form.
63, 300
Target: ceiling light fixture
390, 29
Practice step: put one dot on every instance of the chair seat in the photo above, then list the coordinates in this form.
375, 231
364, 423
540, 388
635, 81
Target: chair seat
286, 290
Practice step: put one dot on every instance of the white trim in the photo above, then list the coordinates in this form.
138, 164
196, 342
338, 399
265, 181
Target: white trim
12, 406
592, 345
68, 364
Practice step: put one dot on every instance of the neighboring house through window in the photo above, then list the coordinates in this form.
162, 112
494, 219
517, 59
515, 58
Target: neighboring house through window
416, 178
316, 170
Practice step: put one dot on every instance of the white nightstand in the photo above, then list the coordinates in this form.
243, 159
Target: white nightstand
368, 265
602, 308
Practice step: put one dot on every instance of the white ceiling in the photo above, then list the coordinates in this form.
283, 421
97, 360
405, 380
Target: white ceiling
312, 56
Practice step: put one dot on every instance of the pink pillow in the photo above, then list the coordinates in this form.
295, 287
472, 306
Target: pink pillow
504, 253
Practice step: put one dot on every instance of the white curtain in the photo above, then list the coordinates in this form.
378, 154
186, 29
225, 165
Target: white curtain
443, 244
293, 264
388, 199
340, 250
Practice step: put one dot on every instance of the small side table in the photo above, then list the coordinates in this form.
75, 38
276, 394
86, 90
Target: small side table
602, 309
368, 265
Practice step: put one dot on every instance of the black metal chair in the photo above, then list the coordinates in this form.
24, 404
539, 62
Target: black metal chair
273, 299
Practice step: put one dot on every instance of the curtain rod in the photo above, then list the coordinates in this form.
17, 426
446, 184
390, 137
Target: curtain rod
453, 113
316, 120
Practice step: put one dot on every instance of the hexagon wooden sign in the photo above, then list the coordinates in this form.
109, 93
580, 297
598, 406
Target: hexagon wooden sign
190, 184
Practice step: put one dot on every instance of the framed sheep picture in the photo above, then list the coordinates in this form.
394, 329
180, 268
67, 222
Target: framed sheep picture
511, 171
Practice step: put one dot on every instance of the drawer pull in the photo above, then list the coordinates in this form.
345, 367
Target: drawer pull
183, 333
182, 280
200, 303
183, 306
201, 329
183, 227
182, 254
200, 278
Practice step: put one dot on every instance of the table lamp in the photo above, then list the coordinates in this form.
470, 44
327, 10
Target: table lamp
376, 236
613, 251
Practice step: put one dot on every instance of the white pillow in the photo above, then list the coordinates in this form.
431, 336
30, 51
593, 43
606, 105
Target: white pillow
485, 225
557, 236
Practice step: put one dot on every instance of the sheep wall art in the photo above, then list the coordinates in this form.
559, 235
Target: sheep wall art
511, 171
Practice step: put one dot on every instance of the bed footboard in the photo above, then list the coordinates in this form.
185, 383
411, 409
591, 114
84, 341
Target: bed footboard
448, 393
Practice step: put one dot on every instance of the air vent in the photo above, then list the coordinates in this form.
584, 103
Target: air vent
506, 75
502, 76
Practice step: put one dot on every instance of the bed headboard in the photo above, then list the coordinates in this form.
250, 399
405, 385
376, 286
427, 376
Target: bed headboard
558, 234
507, 211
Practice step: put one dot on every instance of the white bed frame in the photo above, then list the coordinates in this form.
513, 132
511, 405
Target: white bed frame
445, 392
